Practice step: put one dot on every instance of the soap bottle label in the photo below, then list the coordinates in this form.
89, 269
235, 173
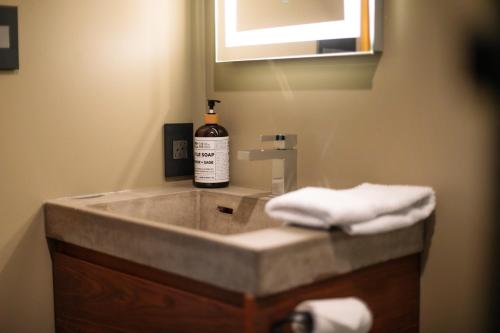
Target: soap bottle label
211, 159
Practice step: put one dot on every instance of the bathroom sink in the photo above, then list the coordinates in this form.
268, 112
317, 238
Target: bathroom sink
221, 237
218, 213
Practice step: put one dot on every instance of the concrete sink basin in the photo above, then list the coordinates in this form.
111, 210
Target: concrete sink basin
214, 212
221, 237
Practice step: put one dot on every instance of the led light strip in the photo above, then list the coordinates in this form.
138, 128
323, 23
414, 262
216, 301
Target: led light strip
350, 27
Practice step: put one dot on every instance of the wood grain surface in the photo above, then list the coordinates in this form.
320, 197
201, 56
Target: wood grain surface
97, 293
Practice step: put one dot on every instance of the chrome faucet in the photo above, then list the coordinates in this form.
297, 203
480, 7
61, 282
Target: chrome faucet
284, 157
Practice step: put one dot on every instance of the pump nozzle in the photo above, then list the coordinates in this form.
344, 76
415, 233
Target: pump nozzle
211, 104
211, 117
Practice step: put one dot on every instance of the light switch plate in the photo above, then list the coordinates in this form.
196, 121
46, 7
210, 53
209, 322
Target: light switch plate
178, 150
9, 44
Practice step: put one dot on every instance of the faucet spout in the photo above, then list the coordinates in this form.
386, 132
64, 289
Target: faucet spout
284, 161
264, 154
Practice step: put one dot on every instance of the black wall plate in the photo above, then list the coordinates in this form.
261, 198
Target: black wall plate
9, 56
178, 150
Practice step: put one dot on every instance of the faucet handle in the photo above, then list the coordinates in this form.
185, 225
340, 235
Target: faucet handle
281, 141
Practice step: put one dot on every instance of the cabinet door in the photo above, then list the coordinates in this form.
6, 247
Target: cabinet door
391, 290
92, 298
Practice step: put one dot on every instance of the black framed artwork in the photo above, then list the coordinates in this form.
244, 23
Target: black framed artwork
9, 47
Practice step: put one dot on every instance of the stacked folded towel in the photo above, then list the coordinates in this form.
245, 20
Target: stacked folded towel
341, 315
364, 209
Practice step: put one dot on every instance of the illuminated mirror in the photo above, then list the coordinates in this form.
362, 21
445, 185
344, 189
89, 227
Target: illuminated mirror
274, 29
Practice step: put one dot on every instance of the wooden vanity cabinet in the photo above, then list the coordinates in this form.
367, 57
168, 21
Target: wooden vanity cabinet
95, 293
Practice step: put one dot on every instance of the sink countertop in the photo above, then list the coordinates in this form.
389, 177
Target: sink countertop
261, 262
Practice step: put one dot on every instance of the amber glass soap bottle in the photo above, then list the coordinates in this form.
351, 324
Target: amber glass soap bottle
211, 152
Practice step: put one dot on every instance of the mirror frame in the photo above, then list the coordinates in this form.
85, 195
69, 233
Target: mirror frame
252, 41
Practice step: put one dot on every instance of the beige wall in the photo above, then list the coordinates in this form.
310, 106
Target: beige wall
84, 114
412, 116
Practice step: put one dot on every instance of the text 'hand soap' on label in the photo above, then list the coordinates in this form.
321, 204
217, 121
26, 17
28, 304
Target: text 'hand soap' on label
211, 159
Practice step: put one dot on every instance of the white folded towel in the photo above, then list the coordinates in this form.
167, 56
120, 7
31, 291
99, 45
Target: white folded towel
342, 315
364, 209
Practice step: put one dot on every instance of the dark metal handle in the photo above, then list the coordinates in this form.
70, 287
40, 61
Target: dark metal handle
303, 322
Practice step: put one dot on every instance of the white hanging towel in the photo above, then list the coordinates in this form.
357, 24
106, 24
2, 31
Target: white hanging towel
341, 315
362, 210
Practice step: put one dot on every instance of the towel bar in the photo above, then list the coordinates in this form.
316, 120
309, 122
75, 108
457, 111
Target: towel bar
301, 321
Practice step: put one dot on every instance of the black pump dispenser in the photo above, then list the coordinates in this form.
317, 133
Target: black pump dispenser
211, 105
